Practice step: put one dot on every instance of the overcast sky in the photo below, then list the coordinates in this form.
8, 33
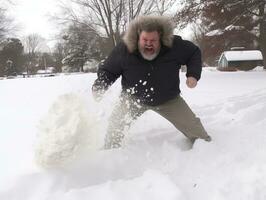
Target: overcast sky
33, 16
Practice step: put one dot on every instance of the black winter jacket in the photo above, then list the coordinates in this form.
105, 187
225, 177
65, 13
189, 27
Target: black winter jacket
150, 82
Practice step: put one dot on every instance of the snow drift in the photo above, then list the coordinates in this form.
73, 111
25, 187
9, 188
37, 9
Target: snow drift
67, 131
153, 164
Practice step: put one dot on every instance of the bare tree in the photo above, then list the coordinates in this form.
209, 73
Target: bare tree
138, 7
112, 16
33, 43
5, 23
163, 6
107, 19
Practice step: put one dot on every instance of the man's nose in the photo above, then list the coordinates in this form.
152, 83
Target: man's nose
148, 43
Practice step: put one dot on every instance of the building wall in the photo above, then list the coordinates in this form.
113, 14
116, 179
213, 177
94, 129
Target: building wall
225, 65
244, 65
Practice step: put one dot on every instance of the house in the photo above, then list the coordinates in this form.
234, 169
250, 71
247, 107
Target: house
243, 60
49, 71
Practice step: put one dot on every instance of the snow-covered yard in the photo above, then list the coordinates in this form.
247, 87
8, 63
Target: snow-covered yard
51, 132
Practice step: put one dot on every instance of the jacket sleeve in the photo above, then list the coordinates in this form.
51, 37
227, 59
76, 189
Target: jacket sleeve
194, 62
108, 72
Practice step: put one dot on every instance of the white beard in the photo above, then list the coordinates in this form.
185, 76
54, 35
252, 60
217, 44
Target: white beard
149, 57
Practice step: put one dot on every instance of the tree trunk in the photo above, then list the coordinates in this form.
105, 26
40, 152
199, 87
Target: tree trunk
264, 56
262, 41
262, 37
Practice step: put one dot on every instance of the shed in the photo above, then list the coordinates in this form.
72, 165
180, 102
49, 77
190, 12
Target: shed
240, 60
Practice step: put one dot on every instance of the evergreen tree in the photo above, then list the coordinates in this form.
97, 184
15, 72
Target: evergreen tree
227, 24
11, 56
81, 44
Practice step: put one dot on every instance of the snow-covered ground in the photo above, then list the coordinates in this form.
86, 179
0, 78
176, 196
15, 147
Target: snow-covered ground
51, 133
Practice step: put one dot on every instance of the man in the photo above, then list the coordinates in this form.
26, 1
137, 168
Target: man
149, 59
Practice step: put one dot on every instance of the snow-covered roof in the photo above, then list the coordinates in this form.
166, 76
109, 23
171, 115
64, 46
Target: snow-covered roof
243, 55
215, 32
48, 70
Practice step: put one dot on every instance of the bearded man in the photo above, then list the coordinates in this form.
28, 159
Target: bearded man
149, 59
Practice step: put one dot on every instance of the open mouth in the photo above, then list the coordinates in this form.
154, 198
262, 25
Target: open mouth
149, 50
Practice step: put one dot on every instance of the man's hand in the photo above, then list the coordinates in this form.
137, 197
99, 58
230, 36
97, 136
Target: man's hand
191, 82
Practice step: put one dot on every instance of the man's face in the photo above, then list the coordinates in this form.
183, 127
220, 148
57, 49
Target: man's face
149, 44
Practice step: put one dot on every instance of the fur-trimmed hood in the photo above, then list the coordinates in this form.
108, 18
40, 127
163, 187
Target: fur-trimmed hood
149, 23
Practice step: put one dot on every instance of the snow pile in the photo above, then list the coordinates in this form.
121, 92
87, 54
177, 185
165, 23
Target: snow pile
66, 131
152, 185
209, 69
155, 162
258, 68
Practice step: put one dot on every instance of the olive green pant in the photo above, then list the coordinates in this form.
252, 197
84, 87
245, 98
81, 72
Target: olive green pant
175, 111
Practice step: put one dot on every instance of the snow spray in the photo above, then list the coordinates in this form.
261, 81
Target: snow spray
65, 132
